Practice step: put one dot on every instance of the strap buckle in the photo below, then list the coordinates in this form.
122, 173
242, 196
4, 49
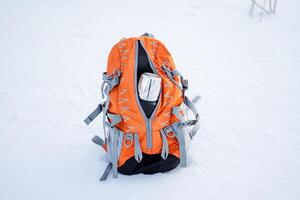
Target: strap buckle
128, 140
167, 71
168, 130
185, 84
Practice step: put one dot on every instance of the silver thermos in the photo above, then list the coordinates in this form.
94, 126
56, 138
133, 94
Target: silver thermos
149, 87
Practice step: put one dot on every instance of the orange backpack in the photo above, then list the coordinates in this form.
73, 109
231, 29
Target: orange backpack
139, 139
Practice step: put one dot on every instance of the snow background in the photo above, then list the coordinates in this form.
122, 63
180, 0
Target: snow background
52, 54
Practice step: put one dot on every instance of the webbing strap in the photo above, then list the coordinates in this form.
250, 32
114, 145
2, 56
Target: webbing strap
148, 35
99, 141
114, 152
195, 122
114, 147
114, 119
109, 82
106, 172
165, 148
182, 143
93, 115
137, 148
176, 110
171, 76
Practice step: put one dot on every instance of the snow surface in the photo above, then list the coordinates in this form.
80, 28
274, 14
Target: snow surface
52, 54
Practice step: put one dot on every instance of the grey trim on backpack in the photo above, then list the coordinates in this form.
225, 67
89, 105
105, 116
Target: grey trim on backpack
114, 119
114, 147
165, 147
146, 119
97, 140
94, 114
109, 82
137, 148
169, 74
106, 172
179, 132
149, 120
148, 35
128, 136
196, 122
135, 88
120, 142
114, 153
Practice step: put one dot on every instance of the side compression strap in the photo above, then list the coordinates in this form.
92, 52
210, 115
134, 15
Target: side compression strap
114, 119
165, 148
114, 152
94, 114
182, 143
171, 74
195, 122
109, 82
106, 172
97, 140
114, 146
137, 148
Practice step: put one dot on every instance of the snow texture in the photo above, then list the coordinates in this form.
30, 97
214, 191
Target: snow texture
52, 54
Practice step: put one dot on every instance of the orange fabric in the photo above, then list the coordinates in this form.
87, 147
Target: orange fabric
123, 100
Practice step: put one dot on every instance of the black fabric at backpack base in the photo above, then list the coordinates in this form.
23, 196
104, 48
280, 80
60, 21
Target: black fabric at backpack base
150, 164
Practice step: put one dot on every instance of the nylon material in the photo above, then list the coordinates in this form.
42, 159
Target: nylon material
165, 57
165, 146
97, 140
120, 142
126, 94
114, 153
110, 143
137, 148
192, 107
179, 132
114, 119
93, 115
148, 128
156, 123
106, 172
128, 140
130, 109
149, 131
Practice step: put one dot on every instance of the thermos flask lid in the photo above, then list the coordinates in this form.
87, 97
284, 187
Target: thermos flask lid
149, 86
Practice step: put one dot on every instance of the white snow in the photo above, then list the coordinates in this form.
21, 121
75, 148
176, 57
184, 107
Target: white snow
52, 54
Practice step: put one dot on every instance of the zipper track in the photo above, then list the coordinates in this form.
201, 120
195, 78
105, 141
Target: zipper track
147, 120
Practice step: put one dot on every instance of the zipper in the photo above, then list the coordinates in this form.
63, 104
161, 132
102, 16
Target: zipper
147, 120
